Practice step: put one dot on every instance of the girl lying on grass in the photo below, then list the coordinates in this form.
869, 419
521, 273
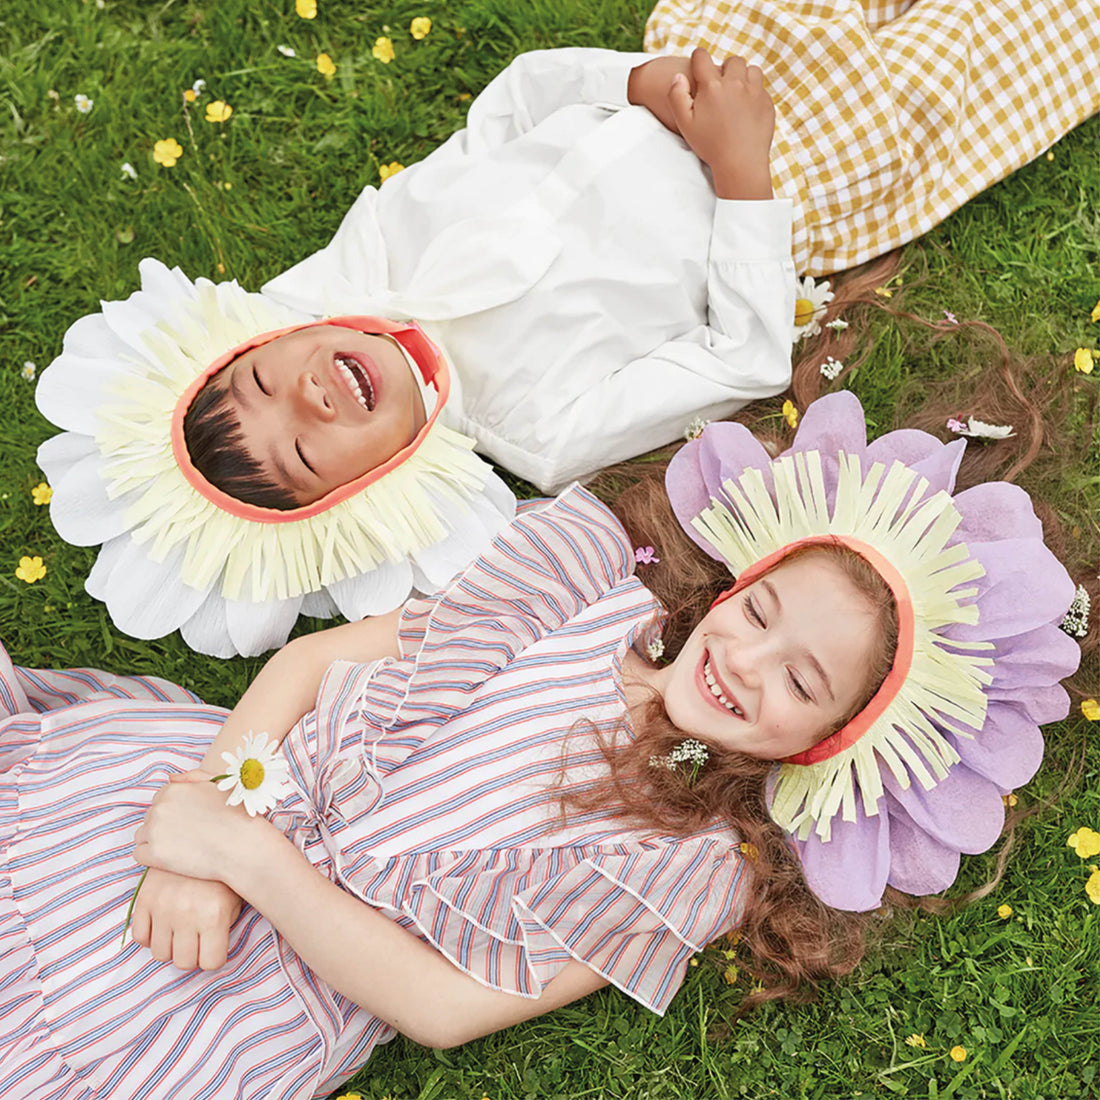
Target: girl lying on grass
594, 281
583, 760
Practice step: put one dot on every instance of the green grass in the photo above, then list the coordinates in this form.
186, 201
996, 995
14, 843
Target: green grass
269, 187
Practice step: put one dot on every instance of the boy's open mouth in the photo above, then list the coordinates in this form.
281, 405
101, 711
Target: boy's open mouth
358, 381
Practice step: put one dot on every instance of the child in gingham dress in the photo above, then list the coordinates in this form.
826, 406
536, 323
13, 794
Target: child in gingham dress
890, 114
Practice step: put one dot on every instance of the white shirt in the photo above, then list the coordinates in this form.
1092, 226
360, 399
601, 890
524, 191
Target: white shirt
570, 256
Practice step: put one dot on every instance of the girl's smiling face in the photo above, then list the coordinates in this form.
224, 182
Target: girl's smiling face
779, 665
323, 405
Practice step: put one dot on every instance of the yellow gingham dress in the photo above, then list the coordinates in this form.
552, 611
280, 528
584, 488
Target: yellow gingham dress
890, 113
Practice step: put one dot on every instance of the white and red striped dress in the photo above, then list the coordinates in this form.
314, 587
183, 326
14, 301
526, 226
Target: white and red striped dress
429, 786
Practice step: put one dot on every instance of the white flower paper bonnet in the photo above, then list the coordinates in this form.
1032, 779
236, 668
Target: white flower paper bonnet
176, 553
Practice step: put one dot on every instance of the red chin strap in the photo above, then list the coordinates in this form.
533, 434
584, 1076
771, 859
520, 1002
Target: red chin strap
428, 358
850, 733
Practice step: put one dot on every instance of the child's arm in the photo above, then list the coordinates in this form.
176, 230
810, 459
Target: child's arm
357, 950
187, 921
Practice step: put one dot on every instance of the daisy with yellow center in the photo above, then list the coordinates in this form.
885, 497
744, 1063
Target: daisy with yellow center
809, 307
257, 775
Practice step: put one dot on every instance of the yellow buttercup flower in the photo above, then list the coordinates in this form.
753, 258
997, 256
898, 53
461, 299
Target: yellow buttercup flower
41, 493
167, 151
749, 851
1085, 842
1009, 800
190, 95
391, 169
350, 1096
1090, 708
958, 1054
790, 413
383, 50
1094, 316
420, 27
31, 569
1004, 911
916, 1041
218, 111
306, 9
1083, 360
1092, 888
325, 65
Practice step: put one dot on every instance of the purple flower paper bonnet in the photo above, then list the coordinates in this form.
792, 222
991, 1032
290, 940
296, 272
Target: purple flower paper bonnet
918, 777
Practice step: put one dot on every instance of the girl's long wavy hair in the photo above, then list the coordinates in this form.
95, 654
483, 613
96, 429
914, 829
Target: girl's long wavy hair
788, 939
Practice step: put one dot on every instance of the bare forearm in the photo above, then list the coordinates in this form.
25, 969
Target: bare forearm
286, 687
374, 962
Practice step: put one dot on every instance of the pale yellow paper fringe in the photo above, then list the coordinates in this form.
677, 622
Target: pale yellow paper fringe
884, 509
398, 515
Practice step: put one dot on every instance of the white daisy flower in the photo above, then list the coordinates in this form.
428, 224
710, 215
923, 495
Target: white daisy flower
83, 103
128, 170
809, 307
257, 775
287, 51
979, 429
28, 372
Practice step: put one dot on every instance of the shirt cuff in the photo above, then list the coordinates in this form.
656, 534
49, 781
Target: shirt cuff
605, 85
752, 231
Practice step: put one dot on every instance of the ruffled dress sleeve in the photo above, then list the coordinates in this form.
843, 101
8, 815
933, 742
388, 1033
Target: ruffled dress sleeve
512, 919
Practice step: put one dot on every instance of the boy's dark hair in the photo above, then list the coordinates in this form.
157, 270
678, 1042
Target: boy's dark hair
212, 434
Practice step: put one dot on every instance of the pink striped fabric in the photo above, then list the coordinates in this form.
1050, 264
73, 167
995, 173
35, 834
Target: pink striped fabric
428, 786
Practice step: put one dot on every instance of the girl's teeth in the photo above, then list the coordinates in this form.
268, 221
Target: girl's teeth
716, 691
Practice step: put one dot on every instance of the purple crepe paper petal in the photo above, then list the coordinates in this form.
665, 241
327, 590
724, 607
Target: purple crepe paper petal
849, 870
1007, 751
1041, 705
964, 810
996, 510
1038, 657
832, 423
1014, 567
918, 864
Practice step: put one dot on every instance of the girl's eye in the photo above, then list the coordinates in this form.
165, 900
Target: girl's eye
800, 691
753, 612
256, 379
298, 448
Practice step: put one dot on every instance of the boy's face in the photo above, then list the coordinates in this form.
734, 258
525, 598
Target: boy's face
321, 406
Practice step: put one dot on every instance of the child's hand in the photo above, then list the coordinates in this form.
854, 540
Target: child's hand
649, 84
728, 120
184, 921
190, 830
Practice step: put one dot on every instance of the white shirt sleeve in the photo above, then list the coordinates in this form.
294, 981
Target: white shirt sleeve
537, 84
742, 353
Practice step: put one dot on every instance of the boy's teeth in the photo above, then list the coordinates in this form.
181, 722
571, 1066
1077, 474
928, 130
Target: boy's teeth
716, 691
343, 364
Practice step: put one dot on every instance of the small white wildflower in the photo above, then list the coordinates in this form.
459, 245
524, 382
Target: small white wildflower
83, 103
690, 751
979, 429
28, 372
662, 762
199, 86
258, 775
1076, 621
287, 51
128, 170
695, 428
831, 368
655, 649
837, 324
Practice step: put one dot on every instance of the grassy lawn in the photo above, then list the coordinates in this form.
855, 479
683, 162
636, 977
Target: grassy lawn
251, 195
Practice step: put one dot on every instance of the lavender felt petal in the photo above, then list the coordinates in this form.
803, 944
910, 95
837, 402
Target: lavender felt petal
963, 811
1007, 751
1039, 657
1015, 569
996, 510
849, 870
1040, 704
919, 865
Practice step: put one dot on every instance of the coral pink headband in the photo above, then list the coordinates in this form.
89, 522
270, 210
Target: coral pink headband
429, 360
851, 732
